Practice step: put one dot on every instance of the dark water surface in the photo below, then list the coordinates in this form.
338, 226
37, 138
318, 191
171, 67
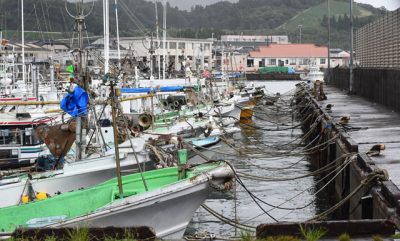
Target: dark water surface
273, 192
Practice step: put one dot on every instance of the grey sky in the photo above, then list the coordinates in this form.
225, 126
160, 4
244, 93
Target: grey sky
388, 4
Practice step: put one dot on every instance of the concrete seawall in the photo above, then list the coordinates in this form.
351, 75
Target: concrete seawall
369, 184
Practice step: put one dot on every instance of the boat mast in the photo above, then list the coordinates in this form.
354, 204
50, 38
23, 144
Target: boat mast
3, 66
158, 40
164, 36
23, 40
80, 25
106, 35
116, 21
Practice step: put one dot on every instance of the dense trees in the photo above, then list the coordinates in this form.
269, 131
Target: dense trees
137, 17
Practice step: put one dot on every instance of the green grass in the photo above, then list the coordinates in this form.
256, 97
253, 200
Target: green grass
377, 238
283, 238
312, 234
311, 17
246, 236
344, 237
79, 234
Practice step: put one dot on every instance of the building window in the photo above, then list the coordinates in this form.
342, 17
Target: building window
172, 45
304, 61
286, 61
272, 62
181, 46
250, 62
322, 61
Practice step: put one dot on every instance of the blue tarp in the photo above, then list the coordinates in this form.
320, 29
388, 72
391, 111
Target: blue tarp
75, 103
147, 90
291, 70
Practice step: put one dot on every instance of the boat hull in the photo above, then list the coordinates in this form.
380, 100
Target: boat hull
167, 210
74, 176
162, 214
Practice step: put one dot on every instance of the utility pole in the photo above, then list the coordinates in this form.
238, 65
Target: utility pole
300, 26
351, 48
329, 43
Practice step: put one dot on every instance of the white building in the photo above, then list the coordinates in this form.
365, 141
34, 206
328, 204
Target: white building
339, 58
32, 51
298, 56
197, 52
278, 39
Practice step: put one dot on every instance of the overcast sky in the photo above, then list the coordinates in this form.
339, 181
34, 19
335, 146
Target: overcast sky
388, 4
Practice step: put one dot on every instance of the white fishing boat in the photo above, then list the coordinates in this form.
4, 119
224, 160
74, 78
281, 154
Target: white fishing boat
166, 205
313, 74
73, 175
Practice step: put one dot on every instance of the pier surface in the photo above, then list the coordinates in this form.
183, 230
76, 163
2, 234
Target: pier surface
369, 124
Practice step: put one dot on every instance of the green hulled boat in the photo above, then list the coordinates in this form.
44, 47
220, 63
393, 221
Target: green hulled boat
167, 206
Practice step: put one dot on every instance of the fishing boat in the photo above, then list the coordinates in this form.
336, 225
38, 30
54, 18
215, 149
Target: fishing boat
313, 74
73, 175
19, 146
167, 205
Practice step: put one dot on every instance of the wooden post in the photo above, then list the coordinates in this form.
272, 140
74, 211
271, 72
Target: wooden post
117, 161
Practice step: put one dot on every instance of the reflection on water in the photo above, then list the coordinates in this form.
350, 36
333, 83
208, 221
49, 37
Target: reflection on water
296, 193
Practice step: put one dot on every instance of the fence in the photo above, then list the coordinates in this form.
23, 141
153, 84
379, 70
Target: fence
378, 85
377, 43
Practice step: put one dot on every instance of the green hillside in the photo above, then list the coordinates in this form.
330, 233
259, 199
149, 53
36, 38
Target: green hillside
137, 17
316, 31
312, 17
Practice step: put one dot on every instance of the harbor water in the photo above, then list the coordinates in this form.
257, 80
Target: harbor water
237, 204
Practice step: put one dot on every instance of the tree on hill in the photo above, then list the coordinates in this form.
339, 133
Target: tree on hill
137, 17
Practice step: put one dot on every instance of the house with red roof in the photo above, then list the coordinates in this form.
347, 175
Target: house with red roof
298, 56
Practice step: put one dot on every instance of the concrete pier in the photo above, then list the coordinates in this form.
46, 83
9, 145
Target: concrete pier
368, 124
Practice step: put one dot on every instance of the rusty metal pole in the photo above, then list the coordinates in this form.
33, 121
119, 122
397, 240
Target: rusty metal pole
114, 117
